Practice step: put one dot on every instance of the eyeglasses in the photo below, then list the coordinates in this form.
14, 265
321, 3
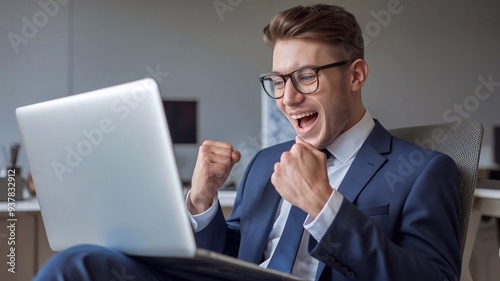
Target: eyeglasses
305, 80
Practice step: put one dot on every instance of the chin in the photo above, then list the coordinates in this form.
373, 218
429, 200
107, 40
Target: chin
312, 141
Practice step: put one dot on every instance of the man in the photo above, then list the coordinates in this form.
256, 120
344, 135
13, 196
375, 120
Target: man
361, 224
354, 219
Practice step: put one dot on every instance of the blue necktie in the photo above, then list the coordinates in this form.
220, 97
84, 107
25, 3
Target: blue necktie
286, 250
285, 253
327, 153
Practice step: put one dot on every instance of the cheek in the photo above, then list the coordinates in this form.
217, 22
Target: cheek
327, 110
281, 108
280, 105
330, 115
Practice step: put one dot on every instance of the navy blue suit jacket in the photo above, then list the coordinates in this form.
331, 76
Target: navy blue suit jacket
399, 219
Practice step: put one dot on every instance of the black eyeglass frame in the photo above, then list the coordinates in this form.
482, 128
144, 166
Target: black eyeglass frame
294, 82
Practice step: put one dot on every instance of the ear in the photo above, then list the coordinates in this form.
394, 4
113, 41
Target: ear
359, 73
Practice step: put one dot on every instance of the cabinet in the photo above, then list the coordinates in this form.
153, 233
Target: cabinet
32, 250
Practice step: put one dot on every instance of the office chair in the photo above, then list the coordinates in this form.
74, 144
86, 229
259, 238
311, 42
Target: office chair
462, 142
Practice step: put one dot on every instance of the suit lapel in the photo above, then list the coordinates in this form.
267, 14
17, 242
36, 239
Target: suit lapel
260, 225
368, 161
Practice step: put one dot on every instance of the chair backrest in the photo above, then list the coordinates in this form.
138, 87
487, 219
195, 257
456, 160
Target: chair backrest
462, 142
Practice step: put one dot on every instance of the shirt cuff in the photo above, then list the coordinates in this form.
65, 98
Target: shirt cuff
318, 227
201, 220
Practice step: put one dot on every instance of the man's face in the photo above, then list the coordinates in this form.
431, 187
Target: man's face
318, 118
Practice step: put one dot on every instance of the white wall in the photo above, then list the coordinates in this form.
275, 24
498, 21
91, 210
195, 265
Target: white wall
35, 69
424, 62
428, 62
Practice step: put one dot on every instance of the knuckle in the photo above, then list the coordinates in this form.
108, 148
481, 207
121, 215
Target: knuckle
226, 145
206, 143
285, 156
203, 148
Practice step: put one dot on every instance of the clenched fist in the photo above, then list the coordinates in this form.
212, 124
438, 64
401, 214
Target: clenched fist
301, 177
215, 161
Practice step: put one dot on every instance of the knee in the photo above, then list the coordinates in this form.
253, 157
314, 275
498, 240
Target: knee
84, 262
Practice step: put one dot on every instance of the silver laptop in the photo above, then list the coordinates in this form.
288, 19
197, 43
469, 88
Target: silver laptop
105, 173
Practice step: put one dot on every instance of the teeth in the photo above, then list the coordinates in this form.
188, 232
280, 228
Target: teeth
298, 116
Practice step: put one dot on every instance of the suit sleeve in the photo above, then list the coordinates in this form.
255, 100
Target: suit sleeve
425, 244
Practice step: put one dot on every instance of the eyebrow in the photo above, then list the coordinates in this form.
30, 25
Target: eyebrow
300, 68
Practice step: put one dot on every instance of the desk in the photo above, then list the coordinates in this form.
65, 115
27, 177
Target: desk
27, 205
486, 203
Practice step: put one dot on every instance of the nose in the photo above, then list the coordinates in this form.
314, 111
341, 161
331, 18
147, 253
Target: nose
290, 95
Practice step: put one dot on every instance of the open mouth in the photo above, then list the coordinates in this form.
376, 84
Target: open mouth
305, 119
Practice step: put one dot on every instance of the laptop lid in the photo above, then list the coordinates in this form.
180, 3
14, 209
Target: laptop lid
105, 173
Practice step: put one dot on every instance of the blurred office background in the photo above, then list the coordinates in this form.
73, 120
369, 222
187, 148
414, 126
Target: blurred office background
429, 61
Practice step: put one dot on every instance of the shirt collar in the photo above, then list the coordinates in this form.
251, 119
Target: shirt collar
347, 144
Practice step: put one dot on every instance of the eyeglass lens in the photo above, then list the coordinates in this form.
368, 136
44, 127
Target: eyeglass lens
304, 80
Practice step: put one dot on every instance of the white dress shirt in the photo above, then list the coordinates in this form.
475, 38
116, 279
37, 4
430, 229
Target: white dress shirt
344, 149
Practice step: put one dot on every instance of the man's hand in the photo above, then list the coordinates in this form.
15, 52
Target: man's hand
301, 177
215, 161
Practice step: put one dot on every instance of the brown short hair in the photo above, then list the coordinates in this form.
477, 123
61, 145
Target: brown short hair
327, 23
